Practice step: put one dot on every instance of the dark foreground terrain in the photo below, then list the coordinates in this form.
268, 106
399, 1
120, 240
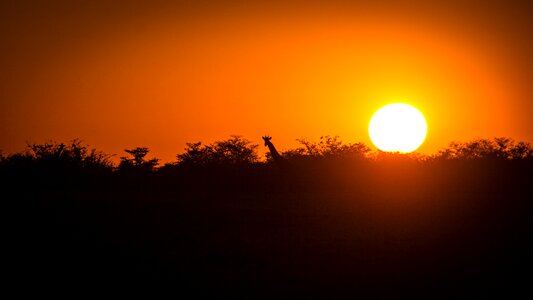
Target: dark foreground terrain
452, 228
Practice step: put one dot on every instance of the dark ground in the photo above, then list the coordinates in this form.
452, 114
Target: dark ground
451, 229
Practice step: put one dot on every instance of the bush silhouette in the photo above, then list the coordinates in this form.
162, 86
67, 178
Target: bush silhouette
233, 151
137, 162
72, 156
327, 147
504, 148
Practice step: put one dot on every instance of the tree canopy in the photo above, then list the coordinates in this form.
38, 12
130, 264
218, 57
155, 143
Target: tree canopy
233, 151
137, 162
238, 151
501, 147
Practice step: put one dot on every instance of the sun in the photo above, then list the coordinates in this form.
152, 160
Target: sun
397, 127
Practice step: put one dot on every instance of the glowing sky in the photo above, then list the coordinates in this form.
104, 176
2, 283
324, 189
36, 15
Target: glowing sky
122, 74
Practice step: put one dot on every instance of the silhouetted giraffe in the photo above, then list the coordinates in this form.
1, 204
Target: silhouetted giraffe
275, 154
288, 175
278, 159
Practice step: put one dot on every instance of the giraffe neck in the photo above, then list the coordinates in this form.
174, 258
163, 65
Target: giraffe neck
273, 151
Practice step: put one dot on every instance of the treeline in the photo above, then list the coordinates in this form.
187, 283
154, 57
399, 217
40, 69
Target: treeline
238, 151
337, 217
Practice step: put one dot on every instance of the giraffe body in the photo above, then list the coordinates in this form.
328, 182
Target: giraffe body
278, 159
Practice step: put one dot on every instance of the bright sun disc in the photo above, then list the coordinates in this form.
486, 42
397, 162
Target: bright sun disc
398, 127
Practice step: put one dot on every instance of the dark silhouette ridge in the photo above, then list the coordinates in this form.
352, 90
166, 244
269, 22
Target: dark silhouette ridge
219, 219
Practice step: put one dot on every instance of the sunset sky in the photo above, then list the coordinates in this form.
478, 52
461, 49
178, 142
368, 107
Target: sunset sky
158, 74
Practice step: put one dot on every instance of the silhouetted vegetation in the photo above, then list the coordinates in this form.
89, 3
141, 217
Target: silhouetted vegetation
454, 224
53, 161
233, 151
327, 147
137, 163
53, 154
503, 148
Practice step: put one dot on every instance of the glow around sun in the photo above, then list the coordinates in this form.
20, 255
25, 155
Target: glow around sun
397, 127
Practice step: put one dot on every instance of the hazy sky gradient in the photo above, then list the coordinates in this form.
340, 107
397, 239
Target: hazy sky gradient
121, 74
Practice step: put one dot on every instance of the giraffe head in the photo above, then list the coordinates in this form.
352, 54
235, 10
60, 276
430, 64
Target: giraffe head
267, 139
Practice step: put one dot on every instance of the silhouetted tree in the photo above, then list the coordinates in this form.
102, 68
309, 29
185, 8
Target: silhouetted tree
61, 155
522, 150
138, 162
327, 146
233, 151
501, 147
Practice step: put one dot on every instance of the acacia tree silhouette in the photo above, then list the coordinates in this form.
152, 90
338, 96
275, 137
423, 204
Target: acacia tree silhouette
233, 151
73, 156
500, 147
138, 161
327, 147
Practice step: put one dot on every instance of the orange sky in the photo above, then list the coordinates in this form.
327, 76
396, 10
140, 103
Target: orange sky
126, 74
